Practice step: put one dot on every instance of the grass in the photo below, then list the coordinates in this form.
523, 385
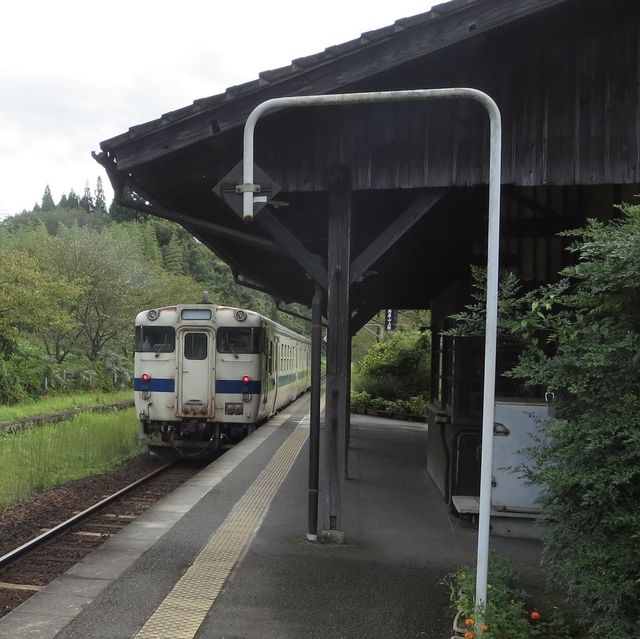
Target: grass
40, 458
59, 403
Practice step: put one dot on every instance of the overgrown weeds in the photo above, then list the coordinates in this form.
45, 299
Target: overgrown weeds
41, 458
59, 403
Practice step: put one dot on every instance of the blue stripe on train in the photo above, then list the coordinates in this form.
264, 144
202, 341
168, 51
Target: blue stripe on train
238, 386
156, 384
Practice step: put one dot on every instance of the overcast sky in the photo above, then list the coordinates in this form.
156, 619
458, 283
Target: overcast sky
74, 73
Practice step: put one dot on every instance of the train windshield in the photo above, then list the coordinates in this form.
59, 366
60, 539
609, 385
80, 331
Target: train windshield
240, 340
155, 339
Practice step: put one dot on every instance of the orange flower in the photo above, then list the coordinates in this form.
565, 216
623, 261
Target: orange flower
484, 627
535, 615
469, 635
469, 622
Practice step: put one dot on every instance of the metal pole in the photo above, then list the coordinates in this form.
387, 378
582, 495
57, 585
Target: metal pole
491, 336
248, 189
314, 435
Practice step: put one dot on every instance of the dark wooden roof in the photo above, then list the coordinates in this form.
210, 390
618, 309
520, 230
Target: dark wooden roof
325, 72
563, 73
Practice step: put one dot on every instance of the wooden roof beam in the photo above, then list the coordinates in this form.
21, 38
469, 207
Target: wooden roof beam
405, 221
290, 244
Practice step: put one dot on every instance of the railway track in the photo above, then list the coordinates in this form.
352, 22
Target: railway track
31, 566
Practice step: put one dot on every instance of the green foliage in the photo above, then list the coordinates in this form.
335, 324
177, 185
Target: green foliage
73, 201
174, 256
509, 613
72, 279
46, 456
47, 200
511, 305
100, 203
416, 406
58, 403
581, 339
590, 463
396, 368
62, 216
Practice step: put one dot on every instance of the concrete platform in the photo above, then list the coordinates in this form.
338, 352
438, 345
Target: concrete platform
400, 540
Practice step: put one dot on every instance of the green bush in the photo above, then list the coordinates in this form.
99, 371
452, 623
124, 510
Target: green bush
581, 340
396, 368
416, 406
590, 462
21, 377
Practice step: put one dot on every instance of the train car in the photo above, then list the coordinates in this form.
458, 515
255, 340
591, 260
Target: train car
206, 375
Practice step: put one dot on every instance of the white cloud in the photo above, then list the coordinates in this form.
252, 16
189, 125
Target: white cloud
72, 75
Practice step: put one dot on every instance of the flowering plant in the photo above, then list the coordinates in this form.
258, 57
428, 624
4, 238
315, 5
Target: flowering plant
508, 613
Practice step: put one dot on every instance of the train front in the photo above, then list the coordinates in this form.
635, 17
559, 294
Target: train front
174, 379
197, 377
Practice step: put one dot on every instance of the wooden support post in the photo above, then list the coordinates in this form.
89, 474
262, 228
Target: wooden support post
338, 337
314, 421
347, 433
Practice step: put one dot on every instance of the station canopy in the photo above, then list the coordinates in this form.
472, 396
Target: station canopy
417, 173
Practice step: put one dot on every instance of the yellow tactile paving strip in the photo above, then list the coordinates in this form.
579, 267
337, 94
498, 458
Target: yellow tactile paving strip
182, 612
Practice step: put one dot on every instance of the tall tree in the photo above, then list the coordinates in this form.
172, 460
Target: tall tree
47, 307
86, 201
100, 202
73, 201
174, 256
47, 200
150, 246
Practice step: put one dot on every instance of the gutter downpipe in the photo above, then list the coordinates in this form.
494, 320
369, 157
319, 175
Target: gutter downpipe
248, 189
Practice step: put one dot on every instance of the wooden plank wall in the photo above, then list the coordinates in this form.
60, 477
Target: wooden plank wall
569, 93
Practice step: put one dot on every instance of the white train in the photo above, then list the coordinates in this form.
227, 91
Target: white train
207, 374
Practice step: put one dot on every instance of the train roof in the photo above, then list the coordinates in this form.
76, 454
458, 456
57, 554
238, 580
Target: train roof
142, 318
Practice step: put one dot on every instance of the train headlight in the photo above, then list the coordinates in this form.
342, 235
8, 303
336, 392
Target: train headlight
153, 314
241, 316
145, 394
233, 408
246, 397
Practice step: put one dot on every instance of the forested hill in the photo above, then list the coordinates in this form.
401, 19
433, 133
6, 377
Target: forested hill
74, 274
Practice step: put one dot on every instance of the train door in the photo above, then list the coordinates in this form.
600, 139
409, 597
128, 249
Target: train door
267, 369
195, 372
274, 346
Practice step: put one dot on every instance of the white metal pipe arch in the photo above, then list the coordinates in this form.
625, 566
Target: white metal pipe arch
249, 189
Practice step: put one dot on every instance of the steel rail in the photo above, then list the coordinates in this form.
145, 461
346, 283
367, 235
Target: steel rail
34, 543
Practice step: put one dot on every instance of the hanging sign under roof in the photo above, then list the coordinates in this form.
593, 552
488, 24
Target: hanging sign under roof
231, 188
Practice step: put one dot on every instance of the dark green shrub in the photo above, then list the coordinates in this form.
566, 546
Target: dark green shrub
581, 340
21, 376
416, 406
396, 368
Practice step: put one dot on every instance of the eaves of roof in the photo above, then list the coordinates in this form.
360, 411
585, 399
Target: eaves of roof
443, 25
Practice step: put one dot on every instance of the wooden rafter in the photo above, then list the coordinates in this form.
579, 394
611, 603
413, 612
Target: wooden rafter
407, 219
